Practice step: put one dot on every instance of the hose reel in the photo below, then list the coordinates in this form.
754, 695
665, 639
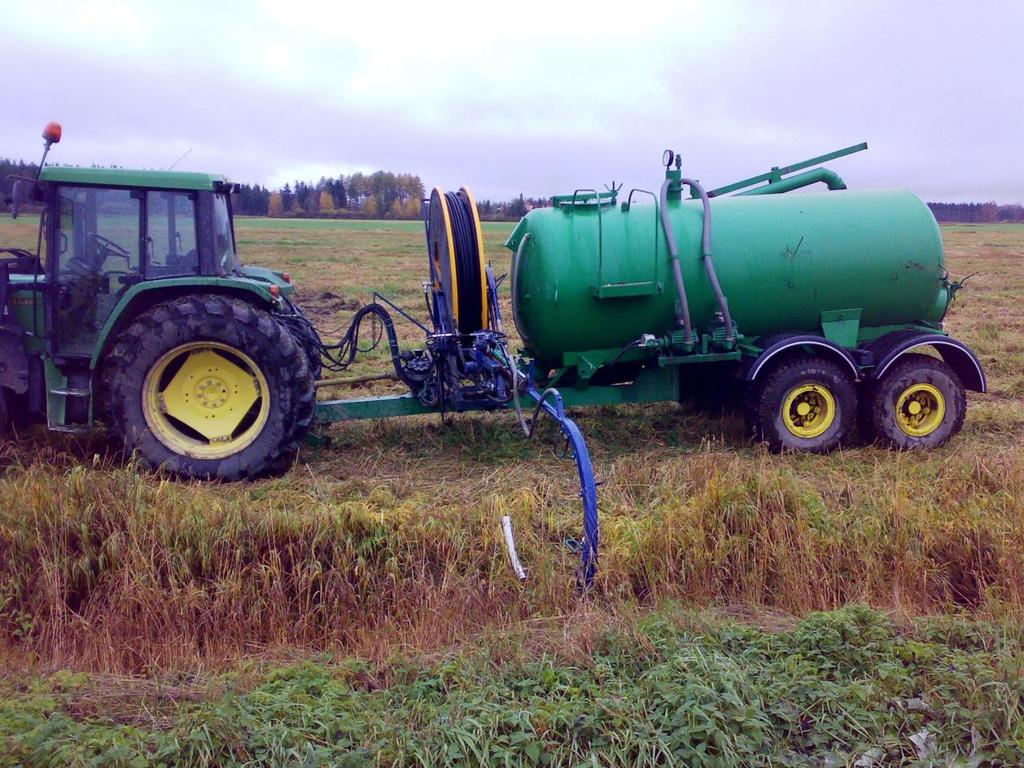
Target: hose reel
458, 266
468, 351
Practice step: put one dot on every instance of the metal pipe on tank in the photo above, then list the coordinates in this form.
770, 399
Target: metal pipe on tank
709, 265
830, 178
683, 307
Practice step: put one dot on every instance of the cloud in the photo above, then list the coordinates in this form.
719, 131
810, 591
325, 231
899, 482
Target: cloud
542, 99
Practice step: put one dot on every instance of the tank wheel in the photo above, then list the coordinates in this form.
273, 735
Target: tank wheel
208, 386
919, 403
805, 404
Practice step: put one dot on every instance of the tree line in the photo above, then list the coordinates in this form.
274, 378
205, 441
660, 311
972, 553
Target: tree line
388, 195
510, 210
977, 213
378, 195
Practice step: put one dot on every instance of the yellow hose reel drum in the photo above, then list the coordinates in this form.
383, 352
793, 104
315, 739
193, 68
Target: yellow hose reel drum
457, 262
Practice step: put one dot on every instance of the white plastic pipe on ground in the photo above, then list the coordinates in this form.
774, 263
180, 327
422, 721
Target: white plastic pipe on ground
510, 545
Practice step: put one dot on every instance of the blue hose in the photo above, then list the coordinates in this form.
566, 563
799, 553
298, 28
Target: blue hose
551, 401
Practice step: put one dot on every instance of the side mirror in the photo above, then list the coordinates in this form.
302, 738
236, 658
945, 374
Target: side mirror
15, 198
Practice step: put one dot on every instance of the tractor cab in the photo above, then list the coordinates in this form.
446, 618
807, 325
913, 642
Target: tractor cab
112, 244
108, 231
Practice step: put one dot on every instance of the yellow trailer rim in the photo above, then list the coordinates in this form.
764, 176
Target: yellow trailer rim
920, 409
808, 410
206, 400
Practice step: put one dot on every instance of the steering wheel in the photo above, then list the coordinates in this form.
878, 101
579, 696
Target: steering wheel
185, 263
106, 248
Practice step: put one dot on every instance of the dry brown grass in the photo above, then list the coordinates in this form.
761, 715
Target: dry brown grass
388, 541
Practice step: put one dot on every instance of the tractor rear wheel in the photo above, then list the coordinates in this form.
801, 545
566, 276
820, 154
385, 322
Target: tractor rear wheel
805, 404
919, 403
208, 386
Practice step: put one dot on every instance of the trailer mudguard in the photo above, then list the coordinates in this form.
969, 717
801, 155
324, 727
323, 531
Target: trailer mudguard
141, 296
957, 355
777, 347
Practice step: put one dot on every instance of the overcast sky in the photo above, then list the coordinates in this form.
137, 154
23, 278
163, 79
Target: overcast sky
522, 97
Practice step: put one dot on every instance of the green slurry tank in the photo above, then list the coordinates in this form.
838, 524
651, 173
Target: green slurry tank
819, 304
590, 278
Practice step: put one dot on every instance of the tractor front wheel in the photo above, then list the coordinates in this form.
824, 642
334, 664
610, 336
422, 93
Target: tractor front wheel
208, 386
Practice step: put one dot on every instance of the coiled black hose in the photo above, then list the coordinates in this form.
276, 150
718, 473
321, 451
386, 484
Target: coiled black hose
468, 276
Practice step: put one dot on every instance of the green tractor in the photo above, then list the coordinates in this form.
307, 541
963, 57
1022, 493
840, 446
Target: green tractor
135, 310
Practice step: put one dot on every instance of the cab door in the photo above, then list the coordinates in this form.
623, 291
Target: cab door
98, 245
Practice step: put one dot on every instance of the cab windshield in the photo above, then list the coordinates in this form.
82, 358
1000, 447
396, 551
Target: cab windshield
223, 236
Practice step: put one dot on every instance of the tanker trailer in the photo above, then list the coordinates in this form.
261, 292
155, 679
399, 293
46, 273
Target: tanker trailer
819, 304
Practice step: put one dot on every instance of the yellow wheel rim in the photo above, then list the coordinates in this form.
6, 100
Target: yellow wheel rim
808, 410
206, 400
920, 409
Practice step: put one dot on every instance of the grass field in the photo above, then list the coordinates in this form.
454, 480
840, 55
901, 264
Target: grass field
384, 546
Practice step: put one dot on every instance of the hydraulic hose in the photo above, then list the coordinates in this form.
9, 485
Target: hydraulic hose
709, 265
683, 308
389, 328
340, 356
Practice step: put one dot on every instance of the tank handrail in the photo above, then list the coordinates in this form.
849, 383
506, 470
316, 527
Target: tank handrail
723, 305
683, 306
629, 199
627, 206
600, 226
589, 197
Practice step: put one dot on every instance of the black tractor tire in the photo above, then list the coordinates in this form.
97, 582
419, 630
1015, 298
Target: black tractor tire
173, 331
882, 413
820, 385
314, 359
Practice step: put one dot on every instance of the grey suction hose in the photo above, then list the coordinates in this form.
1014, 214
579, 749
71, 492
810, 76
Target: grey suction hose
706, 253
683, 308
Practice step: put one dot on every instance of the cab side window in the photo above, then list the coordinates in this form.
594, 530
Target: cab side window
171, 234
98, 231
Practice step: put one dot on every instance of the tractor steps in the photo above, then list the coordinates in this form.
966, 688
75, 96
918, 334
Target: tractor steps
71, 429
69, 409
71, 392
